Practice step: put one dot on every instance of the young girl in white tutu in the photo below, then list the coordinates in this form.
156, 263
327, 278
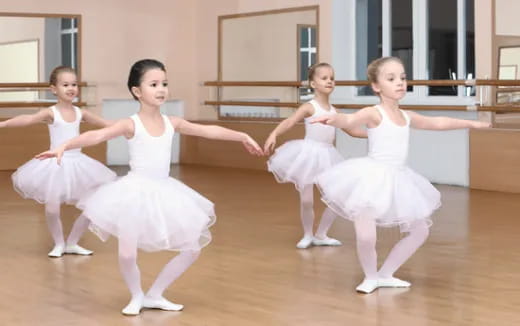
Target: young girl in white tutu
147, 209
380, 190
51, 184
300, 161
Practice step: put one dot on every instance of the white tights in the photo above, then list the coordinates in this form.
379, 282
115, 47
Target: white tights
171, 271
307, 214
366, 237
52, 215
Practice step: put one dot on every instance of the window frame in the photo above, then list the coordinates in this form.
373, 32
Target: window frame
420, 24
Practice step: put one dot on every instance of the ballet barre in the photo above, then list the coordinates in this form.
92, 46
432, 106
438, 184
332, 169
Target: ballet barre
37, 86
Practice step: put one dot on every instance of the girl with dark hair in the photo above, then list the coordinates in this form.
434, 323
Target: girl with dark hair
147, 209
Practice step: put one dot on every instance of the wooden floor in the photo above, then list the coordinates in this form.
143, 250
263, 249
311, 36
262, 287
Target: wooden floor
468, 272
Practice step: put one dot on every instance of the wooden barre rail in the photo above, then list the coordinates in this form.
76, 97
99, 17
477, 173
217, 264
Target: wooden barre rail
496, 108
27, 87
34, 104
34, 85
471, 82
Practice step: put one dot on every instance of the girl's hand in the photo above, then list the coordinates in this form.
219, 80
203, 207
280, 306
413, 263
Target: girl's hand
251, 146
269, 145
57, 153
2, 124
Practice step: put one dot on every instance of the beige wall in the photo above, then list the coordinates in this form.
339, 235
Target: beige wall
116, 33
507, 17
264, 48
181, 33
19, 29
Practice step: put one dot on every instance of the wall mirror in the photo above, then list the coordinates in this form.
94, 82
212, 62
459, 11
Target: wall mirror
277, 45
31, 45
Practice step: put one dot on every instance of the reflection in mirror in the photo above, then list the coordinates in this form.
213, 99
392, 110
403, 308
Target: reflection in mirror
306, 57
508, 64
275, 45
30, 47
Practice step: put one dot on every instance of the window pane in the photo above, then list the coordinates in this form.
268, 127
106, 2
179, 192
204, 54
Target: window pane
402, 34
65, 49
369, 38
66, 23
304, 65
470, 44
313, 37
442, 36
304, 37
75, 45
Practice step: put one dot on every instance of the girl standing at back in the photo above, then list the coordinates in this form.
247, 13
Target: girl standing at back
147, 209
300, 161
380, 190
51, 184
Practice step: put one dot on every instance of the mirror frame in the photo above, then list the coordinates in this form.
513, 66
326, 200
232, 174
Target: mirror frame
221, 19
78, 51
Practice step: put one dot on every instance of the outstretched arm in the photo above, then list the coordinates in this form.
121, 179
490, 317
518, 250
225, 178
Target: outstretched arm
303, 111
121, 128
358, 132
419, 121
350, 123
96, 119
216, 132
23, 120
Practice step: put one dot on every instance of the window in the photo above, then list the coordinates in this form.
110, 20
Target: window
69, 40
306, 55
433, 38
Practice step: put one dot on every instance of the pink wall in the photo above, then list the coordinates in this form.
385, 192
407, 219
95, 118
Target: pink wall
118, 32
183, 34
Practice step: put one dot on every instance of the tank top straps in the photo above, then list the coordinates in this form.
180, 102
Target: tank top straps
150, 155
61, 131
317, 131
388, 142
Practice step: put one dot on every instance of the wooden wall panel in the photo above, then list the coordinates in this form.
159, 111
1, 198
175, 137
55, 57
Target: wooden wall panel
18, 145
495, 160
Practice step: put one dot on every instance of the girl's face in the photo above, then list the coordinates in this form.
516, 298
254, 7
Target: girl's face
66, 88
153, 89
391, 81
323, 80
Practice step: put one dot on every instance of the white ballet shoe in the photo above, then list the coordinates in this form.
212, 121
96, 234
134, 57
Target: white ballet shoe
392, 282
77, 250
304, 243
134, 307
161, 303
56, 252
367, 286
326, 242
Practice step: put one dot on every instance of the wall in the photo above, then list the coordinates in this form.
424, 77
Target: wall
117, 33
207, 15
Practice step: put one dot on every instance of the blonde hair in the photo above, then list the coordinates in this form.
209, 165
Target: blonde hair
53, 79
312, 69
375, 67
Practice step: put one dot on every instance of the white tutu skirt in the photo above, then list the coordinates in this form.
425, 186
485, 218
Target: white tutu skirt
156, 213
367, 188
45, 181
301, 161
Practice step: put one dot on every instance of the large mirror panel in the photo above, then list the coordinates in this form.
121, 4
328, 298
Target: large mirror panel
31, 46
